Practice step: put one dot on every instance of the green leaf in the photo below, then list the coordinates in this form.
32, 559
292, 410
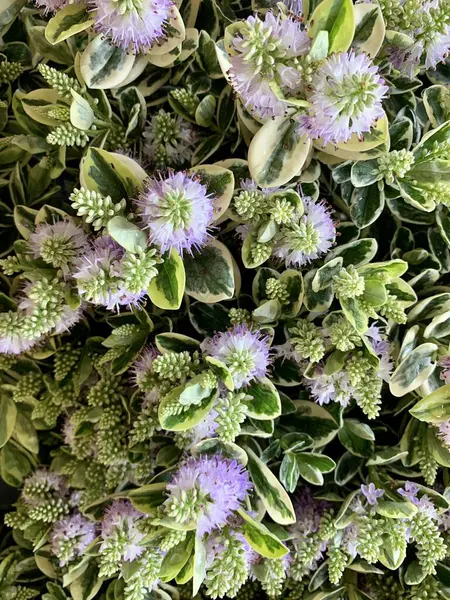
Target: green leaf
324, 275
24, 220
127, 234
212, 446
277, 152
221, 371
430, 307
209, 274
316, 301
369, 29
14, 465
271, 492
167, 288
386, 457
414, 574
267, 312
366, 205
189, 417
81, 114
289, 471
219, 182
355, 314
434, 408
357, 438
261, 539
347, 467
176, 558
175, 342
357, 253
396, 510
204, 112
315, 420
68, 21
103, 65
88, 584
199, 564
265, 403
312, 465
148, 497
208, 318
110, 175
336, 17
25, 433
413, 370
8, 415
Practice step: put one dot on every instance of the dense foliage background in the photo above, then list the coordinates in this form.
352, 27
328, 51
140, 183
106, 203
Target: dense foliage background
224, 299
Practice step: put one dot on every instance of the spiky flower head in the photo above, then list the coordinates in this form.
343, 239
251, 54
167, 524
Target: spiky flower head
245, 352
308, 237
169, 140
10, 71
67, 135
395, 164
134, 25
177, 210
12, 339
265, 52
94, 207
346, 98
348, 283
70, 537
120, 525
137, 270
207, 490
98, 275
45, 494
58, 244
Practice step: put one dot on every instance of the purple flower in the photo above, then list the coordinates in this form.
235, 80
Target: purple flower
437, 48
308, 512
51, 6
70, 537
346, 98
58, 244
329, 388
307, 238
382, 350
263, 55
177, 211
410, 492
216, 485
134, 25
204, 430
295, 6
121, 520
244, 352
444, 363
169, 140
143, 366
371, 493
97, 275
444, 432
406, 60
